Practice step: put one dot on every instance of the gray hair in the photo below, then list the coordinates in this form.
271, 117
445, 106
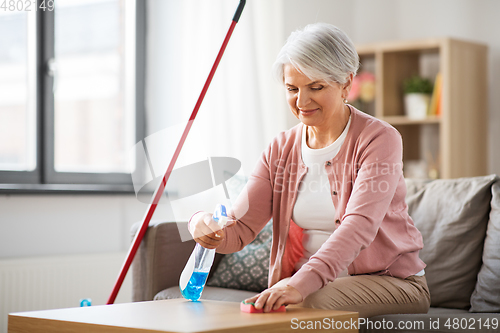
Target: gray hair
321, 51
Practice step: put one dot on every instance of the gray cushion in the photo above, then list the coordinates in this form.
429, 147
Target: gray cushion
452, 215
210, 293
247, 269
486, 296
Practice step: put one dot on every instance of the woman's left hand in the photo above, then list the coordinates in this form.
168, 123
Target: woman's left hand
273, 298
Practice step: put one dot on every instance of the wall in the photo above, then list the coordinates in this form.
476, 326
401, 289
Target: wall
60, 248
48, 225
381, 20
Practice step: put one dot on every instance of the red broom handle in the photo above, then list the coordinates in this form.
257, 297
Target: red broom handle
159, 191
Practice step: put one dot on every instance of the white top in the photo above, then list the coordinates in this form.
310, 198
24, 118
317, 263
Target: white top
314, 210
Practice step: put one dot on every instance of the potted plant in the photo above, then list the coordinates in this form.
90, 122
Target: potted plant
417, 95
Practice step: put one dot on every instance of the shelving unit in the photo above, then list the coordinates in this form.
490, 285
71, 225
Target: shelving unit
454, 143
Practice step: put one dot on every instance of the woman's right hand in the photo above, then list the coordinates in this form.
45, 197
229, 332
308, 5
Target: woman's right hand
205, 230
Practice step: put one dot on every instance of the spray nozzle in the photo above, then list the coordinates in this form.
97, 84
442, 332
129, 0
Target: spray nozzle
220, 215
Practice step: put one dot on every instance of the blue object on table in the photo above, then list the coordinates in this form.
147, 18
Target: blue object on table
85, 302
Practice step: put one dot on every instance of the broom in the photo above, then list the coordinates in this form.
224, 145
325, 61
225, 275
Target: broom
159, 191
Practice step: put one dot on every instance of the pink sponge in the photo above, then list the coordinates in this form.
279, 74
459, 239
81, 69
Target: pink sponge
250, 308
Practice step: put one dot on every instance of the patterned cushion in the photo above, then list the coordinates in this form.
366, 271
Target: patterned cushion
247, 269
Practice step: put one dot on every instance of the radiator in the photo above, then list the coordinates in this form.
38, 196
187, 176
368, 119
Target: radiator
59, 282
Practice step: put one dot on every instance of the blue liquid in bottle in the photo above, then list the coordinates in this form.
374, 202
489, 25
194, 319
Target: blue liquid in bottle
195, 286
194, 276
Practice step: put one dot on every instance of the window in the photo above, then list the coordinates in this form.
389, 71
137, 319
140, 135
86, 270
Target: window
17, 89
71, 99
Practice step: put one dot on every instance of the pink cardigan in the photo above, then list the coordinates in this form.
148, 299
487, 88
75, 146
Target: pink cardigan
375, 234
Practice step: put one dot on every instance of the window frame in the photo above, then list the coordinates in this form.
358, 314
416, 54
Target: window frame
45, 178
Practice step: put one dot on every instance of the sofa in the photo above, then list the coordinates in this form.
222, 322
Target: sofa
460, 223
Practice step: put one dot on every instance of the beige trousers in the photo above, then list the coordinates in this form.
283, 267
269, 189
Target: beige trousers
371, 295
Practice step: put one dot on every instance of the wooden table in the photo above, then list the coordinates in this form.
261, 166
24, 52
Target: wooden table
177, 315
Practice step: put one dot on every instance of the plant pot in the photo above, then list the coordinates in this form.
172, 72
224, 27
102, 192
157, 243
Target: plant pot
416, 105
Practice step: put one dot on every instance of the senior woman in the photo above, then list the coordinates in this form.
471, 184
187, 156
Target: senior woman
334, 186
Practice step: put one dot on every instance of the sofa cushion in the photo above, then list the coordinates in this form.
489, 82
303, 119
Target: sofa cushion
452, 215
486, 296
247, 269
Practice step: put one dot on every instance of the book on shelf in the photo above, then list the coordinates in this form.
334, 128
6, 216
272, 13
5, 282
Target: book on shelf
435, 104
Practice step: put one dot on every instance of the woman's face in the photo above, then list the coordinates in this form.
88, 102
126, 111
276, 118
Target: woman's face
314, 103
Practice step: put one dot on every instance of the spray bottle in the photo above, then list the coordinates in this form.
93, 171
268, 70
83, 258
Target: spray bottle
194, 275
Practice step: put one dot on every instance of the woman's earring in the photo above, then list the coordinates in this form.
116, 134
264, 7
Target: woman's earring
345, 100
